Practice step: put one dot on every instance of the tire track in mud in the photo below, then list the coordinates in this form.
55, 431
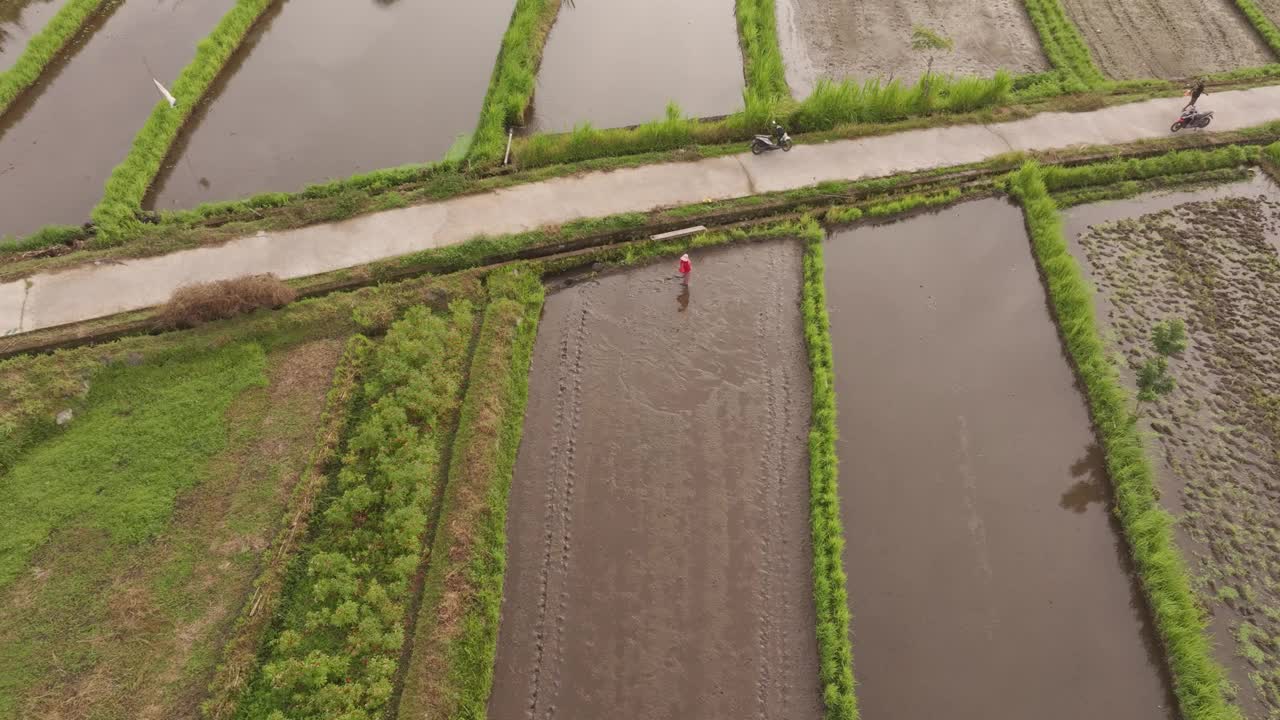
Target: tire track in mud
559, 503
766, 633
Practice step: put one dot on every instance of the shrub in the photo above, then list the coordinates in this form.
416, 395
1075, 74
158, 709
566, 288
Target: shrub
193, 305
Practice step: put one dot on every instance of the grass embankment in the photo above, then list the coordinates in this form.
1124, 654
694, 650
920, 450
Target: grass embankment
43, 47
116, 215
1126, 178
907, 203
1065, 49
1199, 683
830, 594
1132, 188
238, 660
828, 107
341, 629
515, 75
762, 65
451, 671
1260, 22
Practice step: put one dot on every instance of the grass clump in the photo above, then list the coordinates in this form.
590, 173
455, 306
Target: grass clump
1169, 336
193, 305
43, 47
116, 214
47, 236
451, 671
830, 594
1199, 682
514, 78
143, 436
1260, 22
1063, 46
339, 636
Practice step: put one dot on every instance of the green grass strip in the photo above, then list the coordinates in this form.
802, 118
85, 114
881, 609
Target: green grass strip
1260, 22
1063, 44
451, 671
1057, 178
1199, 682
830, 594
116, 214
43, 47
761, 56
515, 76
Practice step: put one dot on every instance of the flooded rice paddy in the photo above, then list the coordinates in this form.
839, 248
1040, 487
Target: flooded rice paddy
980, 549
19, 20
865, 39
615, 63
322, 91
658, 540
60, 140
1208, 258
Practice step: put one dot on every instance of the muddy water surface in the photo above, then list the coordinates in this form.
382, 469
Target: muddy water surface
658, 535
1209, 258
19, 20
618, 62
987, 578
61, 139
325, 90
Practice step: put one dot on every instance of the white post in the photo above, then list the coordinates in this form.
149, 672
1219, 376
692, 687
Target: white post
507, 157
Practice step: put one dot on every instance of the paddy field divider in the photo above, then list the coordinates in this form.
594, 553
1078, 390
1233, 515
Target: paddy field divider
1199, 683
44, 47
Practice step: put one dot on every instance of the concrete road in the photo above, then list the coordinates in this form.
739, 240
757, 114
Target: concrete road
49, 299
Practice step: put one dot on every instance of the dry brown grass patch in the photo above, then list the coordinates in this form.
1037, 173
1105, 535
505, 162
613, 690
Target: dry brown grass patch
193, 305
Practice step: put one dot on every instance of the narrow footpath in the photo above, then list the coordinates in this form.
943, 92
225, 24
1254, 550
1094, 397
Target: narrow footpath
91, 291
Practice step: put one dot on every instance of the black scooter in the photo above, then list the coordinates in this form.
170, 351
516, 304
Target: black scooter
777, 140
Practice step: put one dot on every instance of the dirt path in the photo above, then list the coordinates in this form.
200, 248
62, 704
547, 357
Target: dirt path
1208, 258
659, 554
980, 549
872, 39
89, 291
1170, 39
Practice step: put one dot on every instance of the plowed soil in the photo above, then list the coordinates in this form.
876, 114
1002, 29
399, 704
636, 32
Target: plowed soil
1208, 258
659, 554
987, 577
863, 39
1170, 39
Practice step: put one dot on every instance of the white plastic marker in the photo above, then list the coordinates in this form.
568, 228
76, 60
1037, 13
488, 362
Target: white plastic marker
173, 102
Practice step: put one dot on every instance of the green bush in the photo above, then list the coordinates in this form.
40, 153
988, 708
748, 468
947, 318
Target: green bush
342, 628
514, 77
830, 594
1199, 683
43, 47
1063, 45
116, 214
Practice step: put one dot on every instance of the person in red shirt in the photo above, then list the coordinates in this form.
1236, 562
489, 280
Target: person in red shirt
685, 268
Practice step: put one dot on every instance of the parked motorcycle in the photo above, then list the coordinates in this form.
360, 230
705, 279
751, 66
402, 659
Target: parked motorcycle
777, 140
1192, 118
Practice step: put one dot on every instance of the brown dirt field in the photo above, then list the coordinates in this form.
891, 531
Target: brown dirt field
1209, 258
1171, 39
659, 552
143, 629
980, 550
1271, 8
864, 39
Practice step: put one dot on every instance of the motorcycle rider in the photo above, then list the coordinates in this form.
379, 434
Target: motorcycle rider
777, 132
1196, 91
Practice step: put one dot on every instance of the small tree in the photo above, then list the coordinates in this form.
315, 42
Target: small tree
1153, 381
927, 41
1169, 337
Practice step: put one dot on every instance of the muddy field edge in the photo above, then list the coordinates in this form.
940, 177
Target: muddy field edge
1199, 681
